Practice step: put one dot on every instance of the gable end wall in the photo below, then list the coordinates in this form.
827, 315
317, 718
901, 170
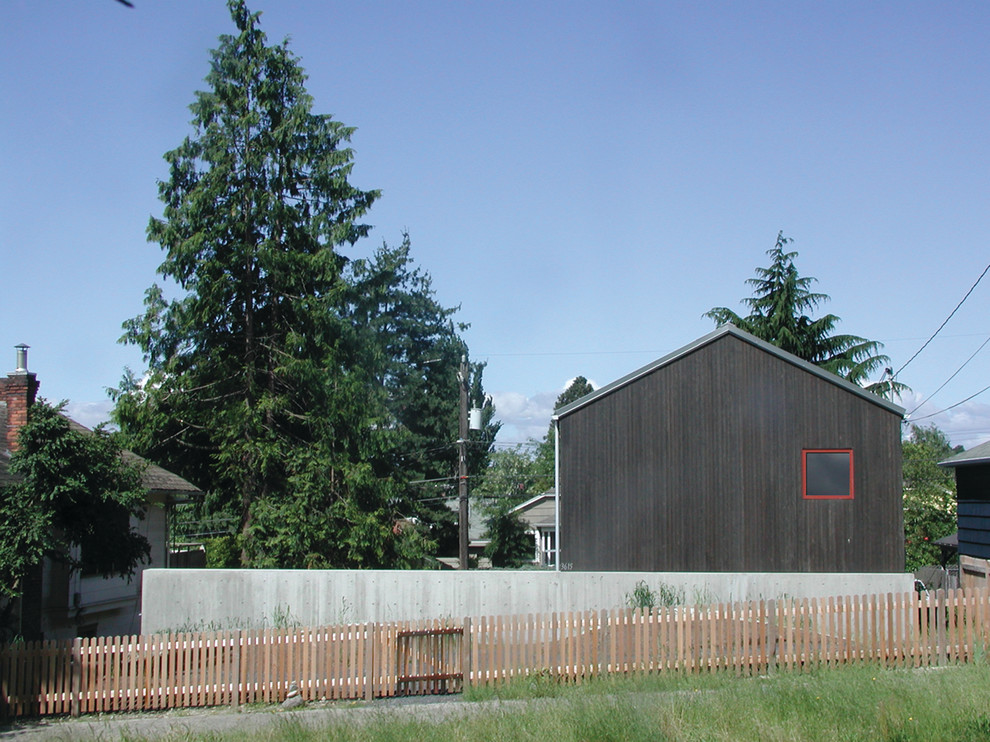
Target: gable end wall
697, 467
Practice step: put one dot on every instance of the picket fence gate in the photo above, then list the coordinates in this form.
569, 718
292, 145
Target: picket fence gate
373, 660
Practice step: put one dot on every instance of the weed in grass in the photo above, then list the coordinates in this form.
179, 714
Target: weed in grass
704, 596
540, 684
543, 684
282, 618
891, 722
643, 597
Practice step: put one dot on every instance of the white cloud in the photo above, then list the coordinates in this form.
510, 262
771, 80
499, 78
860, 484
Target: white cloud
523, 418
89, 414
967, 425
526, 418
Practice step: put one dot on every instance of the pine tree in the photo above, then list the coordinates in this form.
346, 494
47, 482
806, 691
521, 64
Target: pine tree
257, 388
415, 347
779, 313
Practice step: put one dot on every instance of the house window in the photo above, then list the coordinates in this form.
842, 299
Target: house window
827, 474
114, 521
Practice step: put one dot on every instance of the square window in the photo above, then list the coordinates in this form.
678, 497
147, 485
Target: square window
827, 474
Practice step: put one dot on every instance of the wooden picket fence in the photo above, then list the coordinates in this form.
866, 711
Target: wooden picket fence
371, 660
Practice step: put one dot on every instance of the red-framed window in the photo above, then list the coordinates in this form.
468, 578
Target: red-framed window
827, 474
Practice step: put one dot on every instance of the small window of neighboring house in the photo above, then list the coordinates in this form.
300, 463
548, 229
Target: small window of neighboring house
119, 520
827, 474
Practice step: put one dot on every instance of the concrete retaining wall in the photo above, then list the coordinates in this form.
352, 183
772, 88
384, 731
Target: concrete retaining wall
203, 599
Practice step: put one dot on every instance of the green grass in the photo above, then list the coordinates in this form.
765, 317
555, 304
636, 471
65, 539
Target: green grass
849, 704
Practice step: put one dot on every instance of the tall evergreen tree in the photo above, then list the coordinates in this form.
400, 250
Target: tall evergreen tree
257, 388
779, 313
415, 347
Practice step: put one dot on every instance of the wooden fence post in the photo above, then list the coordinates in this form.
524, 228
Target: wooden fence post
773, 636
941, 617
235, 671
369, 663
75, 684
466, 641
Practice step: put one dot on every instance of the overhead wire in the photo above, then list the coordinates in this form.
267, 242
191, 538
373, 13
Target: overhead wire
964, 401
951, 314
982, 346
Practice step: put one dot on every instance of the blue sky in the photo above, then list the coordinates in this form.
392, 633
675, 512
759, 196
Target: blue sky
585, 179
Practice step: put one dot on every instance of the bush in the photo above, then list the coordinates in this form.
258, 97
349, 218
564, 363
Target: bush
222, 552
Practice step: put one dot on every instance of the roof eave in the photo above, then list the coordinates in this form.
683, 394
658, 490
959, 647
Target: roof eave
976, 455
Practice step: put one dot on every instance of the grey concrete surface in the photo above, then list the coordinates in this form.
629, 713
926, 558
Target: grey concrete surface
205, 599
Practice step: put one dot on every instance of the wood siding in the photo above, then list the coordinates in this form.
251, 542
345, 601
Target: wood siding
973, 494
542, 513
696, 466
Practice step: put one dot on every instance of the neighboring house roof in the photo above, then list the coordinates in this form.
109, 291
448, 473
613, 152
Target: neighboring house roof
977, 455
163, 486
477, 522
950, 541
524, 508
733, 331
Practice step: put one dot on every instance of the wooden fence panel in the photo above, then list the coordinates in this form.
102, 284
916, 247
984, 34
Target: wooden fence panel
371, 660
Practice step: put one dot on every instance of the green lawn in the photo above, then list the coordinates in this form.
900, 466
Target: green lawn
857, 703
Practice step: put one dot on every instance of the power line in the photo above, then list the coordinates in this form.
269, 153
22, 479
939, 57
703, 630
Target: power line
944, 323
569, 353
951, 377
972, 396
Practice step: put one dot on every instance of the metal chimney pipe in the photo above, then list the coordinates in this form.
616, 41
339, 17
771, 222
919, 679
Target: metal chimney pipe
22, 358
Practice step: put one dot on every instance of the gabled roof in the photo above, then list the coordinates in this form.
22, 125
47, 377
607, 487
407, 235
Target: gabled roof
162, 485
718, 334
976, 455
523, 510
536, 500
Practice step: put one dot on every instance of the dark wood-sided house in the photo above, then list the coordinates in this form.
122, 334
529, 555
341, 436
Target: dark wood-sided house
972, 469
730, 455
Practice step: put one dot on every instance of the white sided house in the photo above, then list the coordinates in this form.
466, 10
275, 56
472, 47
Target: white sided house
540, 517
57, 604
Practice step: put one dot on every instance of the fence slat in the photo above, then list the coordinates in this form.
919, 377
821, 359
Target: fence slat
134, 673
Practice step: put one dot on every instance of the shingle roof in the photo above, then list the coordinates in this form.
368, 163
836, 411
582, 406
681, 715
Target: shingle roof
976, 455
711, 337
162, 485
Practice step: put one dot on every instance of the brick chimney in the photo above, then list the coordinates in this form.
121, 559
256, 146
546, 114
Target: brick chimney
17, 393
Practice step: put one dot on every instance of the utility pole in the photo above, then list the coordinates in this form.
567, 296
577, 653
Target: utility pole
462, 470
